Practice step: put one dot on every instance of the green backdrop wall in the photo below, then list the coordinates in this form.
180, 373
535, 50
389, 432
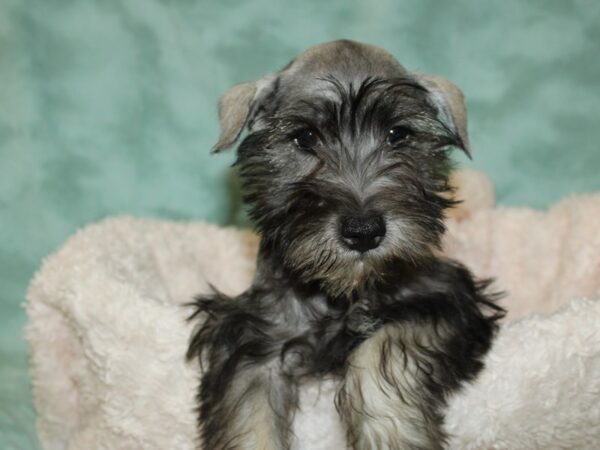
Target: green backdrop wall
109, 108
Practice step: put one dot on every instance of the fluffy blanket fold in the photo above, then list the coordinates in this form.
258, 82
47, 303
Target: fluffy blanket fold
107, 330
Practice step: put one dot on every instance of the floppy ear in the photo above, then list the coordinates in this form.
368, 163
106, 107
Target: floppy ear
449, 101
236, 108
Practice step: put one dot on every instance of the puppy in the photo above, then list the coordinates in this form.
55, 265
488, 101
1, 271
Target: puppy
345, 171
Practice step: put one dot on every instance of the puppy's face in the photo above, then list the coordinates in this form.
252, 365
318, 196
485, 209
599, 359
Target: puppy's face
344, 166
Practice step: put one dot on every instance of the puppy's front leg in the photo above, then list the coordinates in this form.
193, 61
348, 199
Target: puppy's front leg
386, 399
428, 339
246, 400
248, 409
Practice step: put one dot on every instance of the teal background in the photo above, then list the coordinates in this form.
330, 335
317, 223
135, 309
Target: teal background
109, 108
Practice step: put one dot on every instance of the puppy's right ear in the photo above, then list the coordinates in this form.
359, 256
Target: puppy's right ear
236, 109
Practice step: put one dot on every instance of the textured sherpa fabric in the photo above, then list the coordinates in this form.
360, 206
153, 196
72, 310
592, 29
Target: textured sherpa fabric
107, 331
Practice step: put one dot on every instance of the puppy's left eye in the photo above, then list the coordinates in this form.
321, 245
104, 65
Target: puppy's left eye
398, 135
305, 140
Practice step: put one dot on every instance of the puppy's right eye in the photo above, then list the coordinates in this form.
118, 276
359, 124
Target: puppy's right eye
305, 140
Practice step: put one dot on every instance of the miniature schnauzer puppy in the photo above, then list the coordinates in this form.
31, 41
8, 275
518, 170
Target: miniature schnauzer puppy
345, 171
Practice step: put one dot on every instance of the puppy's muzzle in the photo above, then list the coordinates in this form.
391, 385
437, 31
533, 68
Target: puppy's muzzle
362, 233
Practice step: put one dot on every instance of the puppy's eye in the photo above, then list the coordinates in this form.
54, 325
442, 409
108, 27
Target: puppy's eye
398, 135
305, 140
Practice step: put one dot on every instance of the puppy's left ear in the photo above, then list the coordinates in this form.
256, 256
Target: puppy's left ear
236, 109
450, 102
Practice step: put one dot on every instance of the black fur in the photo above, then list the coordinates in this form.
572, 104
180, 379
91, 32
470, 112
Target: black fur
313, 302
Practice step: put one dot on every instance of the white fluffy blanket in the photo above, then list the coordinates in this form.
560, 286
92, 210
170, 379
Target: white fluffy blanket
107, 330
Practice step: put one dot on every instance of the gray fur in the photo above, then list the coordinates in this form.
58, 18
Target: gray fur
343, 135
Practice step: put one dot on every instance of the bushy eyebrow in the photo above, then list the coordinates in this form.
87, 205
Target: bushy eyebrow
354, 106
371, 105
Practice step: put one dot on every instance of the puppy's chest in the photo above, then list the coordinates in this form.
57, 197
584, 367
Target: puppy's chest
315, 334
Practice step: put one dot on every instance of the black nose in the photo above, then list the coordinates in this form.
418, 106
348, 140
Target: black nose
362, 233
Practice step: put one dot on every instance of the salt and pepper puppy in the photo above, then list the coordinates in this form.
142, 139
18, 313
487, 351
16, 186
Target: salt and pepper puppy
345, 171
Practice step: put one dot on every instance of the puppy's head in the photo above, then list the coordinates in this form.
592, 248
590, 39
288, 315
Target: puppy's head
345, 165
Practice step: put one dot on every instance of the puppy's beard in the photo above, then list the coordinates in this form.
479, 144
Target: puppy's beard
321, 256
352, 274
406, 240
